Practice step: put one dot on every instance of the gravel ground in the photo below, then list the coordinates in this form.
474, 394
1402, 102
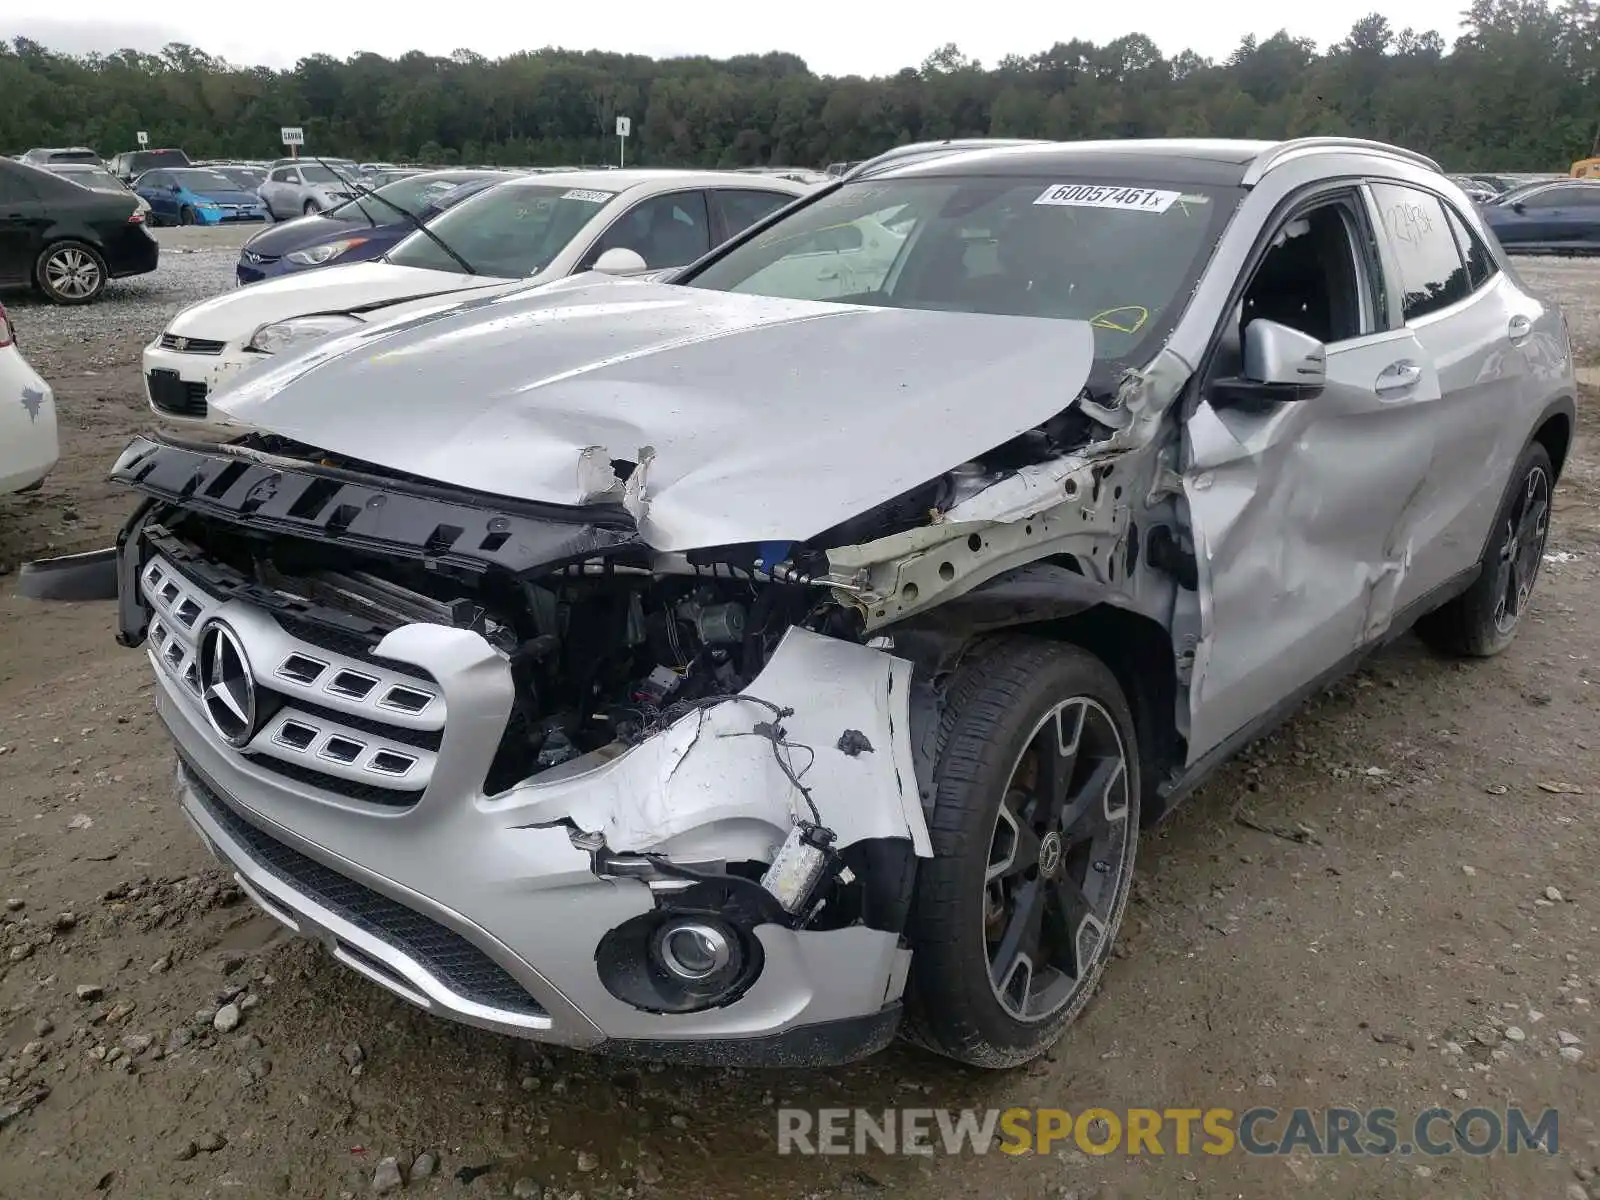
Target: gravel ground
1419, 931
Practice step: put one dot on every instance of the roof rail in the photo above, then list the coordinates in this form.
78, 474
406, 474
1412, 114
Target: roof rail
1295, 147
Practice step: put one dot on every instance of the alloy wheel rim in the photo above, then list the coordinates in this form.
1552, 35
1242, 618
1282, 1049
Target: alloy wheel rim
1057, 860
1522, 553
72, 273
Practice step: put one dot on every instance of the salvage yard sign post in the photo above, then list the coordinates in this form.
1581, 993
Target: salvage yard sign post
624, 125
293, 137
142, 137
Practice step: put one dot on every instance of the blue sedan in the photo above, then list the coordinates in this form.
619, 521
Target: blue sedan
1547, 218
361, 229
197, 196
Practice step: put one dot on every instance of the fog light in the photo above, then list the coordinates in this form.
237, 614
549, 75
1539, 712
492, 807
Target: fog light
678, 962
692, 950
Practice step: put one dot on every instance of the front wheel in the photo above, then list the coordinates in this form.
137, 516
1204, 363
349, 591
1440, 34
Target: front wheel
1484, 619
70, 273
1034, 829
311, 208
186, 216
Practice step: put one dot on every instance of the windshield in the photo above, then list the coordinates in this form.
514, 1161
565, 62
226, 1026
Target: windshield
511, 232
243, 177
1120, 256
149, 160
204, 181
416, 196
96, 178
74, 156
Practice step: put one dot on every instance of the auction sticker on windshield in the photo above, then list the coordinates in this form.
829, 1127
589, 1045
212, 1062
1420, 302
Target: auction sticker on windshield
1092, 195
585, 194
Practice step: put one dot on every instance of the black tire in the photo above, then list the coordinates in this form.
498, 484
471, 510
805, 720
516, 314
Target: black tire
70, 272
1483, 620
999, 706
310, 209
186, 215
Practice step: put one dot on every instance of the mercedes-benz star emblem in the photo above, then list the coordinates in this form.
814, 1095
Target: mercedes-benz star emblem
1050, 854
227, 687
180, 343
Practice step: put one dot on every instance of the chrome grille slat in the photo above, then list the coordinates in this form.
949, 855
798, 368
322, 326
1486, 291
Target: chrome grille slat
354, 728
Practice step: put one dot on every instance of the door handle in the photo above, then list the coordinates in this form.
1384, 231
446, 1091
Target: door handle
1398, 377
1519, 329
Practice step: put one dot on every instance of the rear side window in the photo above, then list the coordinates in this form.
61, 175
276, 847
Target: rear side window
743, 207
1480, 263
1432, 273
15, 186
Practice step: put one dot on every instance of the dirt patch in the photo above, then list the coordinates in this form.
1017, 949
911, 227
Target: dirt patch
1430, 805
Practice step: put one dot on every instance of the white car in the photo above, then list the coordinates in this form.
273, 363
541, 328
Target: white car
529, 230
28, 445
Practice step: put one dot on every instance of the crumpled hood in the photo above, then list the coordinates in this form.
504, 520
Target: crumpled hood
239, 313
753, 419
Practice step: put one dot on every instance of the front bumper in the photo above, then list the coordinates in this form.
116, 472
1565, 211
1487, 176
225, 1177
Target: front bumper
178, 383
482, 908
231, 216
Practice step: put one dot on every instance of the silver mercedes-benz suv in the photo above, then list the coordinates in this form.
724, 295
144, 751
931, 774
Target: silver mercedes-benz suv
752, 666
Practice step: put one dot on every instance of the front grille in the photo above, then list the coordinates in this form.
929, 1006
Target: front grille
443, 953
189, 345
172, 394
351, 645
351, 725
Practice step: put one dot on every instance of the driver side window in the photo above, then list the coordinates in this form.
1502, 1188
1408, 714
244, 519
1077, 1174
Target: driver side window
671, 230
1320, 275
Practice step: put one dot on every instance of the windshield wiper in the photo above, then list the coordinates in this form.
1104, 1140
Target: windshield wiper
412, 218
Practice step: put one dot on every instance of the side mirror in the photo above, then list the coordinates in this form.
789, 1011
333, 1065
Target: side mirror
1519, 207
619, 260
1280, 364
175, 189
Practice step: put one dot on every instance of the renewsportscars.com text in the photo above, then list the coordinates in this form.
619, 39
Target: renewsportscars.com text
1160, 1131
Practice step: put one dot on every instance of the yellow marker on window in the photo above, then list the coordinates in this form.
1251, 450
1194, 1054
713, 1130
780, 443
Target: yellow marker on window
1128, 319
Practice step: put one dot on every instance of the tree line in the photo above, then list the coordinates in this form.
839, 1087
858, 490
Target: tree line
1518, 90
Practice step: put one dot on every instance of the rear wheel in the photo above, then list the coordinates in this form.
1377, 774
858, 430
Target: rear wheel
70, 272
1484, 619
1034, 830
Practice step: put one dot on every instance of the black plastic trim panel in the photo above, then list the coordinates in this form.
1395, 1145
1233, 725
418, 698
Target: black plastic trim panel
824, 1044
395, 517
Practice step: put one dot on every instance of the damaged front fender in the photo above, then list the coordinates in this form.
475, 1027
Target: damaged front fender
713, 785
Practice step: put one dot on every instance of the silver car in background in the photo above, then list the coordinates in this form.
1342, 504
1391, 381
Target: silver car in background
305, 189
753, 667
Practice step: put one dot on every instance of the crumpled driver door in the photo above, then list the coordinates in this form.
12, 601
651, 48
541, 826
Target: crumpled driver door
1291, 511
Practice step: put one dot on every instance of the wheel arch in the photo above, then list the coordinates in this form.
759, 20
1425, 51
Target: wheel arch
1554, 431
1138, 650
1135, 647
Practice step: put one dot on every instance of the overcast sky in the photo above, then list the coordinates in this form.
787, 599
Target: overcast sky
834, 36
